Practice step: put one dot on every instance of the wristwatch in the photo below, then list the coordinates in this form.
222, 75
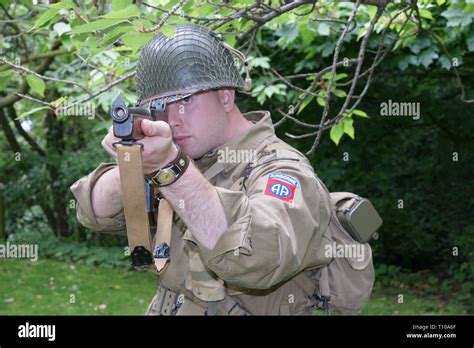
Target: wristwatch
171, 172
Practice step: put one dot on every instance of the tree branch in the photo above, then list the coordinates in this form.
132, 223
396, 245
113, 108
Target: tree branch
15, 146
46, 78
12, 98
23, 133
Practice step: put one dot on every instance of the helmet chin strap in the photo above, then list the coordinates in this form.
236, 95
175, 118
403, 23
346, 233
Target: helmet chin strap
241, 56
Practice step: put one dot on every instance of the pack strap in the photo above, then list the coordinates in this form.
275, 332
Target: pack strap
305, 283
310, 288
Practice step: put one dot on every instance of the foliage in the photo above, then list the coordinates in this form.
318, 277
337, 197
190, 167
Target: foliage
31, 229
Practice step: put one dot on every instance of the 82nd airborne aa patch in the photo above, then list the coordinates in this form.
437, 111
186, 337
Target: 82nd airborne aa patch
281, 186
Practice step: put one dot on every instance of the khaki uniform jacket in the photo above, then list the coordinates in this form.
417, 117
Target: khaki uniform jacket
277, 215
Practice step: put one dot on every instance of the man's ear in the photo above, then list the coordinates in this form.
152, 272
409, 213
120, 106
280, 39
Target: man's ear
227, 98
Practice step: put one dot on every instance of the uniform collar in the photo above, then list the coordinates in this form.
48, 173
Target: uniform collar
248, 140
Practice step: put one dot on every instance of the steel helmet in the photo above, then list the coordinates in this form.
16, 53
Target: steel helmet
194, 59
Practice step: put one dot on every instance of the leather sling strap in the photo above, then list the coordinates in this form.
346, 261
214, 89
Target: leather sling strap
133, 196
164, 226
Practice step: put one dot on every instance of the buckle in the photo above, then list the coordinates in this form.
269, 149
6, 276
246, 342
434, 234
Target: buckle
127, 143
161, 251
141, 257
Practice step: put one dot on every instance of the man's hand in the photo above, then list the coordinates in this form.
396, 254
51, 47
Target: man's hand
158, 150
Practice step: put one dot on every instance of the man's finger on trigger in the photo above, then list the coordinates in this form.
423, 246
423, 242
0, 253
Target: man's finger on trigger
156, 128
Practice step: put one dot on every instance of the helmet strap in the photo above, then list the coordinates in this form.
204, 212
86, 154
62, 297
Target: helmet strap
241, 56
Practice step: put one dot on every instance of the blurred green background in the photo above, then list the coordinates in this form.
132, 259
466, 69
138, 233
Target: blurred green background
417, 173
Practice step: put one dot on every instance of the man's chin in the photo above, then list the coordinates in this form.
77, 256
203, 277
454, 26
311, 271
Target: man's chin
189, 152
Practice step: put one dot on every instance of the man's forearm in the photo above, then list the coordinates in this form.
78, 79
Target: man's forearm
106, 195
197, 203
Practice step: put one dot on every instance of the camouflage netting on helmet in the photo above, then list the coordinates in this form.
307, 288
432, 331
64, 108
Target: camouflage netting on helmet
193, 58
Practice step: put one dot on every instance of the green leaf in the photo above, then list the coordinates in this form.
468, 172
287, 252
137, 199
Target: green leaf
469, 9
167, 30
140, 23
5, 77
118, 5
36, 84
274, 89
63, 4
130, 11
337, 77
262, 62
337, 131
372, 11
440, 2
305, 103
61, 28
445, 62
426, 14
45, 17
360, 113
427, 56
116, 33
231, 40
321, 101
324, 29
348, 127
206, 9
59, 101
32, 111
96, 25
361, 34
339, 93
136, 40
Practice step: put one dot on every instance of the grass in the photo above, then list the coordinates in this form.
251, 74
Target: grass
49, 287
385, 301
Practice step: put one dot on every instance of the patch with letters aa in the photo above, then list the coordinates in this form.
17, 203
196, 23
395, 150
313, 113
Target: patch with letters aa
281, 186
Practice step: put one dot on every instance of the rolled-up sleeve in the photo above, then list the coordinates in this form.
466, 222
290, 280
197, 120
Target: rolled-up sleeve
270, 237
82, 189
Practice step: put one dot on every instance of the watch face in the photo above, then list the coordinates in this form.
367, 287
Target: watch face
166, 176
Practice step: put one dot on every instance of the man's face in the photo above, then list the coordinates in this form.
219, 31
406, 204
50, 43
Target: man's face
199, 123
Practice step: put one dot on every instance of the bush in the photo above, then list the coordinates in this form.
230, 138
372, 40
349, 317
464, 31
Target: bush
32, 229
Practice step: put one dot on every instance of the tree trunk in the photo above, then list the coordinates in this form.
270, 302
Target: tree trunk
55, 146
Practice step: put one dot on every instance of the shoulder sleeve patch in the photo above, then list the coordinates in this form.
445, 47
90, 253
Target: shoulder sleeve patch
281, 186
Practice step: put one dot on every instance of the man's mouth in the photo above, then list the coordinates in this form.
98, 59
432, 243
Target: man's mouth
181, 139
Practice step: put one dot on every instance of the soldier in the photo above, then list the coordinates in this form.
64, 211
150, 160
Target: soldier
241, 233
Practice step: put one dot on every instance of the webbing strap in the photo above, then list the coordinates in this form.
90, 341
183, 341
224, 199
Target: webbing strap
306, 284
133, 196
214, 170
164, 226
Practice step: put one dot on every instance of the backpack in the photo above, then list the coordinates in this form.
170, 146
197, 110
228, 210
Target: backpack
345, 283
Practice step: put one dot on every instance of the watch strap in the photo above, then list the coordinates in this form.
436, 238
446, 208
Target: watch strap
178, 166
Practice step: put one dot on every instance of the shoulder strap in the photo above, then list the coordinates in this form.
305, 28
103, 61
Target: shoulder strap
278, 145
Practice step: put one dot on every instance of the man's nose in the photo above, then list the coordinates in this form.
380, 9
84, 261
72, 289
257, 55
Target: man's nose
175, 117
